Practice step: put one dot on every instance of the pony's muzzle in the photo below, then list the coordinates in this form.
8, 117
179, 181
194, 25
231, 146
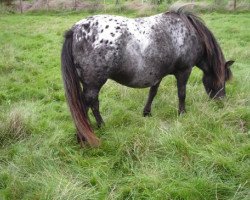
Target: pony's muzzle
220, 94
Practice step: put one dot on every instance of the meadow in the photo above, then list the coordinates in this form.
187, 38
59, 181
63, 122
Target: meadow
203, 154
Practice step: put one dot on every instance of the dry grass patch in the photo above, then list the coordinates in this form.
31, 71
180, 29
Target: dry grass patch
16, 125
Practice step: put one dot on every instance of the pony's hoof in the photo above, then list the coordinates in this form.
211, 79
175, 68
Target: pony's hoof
181, 112
147, 114
80, 138
100, 125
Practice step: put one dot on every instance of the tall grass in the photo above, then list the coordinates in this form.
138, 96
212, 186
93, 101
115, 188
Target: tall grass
203, 154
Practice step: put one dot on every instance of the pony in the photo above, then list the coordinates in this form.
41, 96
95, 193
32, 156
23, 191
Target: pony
137, 53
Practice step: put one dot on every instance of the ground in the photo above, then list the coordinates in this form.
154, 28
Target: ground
203, 154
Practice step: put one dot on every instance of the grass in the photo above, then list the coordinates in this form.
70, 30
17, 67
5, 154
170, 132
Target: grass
203, 154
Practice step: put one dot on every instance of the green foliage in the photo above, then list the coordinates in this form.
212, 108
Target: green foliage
203, 154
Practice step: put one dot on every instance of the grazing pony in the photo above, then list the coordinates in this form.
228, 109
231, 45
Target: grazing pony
137, 53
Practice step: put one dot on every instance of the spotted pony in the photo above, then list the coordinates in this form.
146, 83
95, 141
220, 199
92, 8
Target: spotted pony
137, 53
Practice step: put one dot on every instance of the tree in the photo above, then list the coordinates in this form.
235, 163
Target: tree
234, 4
47, 3
21, 6
75, 4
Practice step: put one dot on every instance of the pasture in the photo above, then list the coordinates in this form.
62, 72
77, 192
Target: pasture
203, 154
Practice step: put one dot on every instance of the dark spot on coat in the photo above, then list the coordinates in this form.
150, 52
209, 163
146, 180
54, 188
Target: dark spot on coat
106, 26
111, 43
118, 27
96, 23
101, 30
101, 41
106, 42
86, 26
112, 34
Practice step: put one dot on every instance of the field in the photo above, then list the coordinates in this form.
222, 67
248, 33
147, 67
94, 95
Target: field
203, 154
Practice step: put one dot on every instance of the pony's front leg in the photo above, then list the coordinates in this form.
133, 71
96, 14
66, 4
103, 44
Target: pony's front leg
182, 78
152, 92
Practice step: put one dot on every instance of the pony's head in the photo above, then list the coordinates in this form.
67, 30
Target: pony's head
214, 85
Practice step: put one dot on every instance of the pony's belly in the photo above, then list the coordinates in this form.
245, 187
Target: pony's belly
138, 84
137, 79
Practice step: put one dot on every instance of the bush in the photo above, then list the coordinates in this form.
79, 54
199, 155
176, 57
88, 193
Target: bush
7, 2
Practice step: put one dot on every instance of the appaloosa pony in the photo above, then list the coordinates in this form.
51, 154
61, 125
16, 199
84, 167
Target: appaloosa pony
137, 53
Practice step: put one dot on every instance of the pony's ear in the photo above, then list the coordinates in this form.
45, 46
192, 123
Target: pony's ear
229, 63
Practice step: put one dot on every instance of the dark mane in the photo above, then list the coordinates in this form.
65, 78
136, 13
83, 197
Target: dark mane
212, 51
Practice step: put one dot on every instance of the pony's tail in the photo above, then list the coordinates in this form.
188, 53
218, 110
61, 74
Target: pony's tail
73, 92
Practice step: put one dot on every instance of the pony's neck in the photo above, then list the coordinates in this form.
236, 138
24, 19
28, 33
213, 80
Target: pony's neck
204, 66
213, 62
210, 74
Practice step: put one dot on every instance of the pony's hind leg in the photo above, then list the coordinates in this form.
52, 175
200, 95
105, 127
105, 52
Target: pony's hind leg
96, 112
92, 101
152, 92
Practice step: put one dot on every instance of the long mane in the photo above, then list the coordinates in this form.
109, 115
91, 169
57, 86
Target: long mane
212, 51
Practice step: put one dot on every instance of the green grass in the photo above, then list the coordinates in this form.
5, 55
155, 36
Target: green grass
203, 154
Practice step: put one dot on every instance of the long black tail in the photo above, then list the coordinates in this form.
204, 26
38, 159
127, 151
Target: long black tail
73, 92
